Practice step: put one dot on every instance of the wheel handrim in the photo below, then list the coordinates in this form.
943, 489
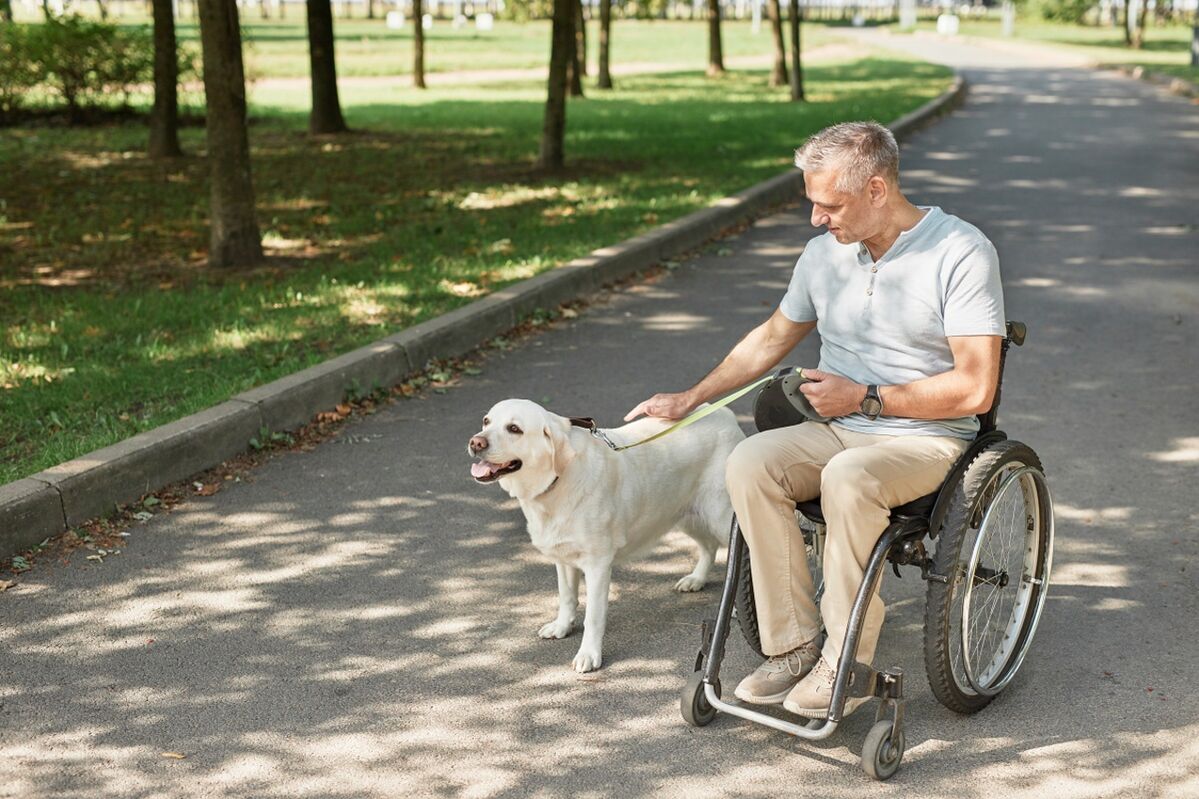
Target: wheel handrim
1004, 581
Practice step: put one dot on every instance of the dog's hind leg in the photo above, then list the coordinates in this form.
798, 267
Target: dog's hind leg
568, 603
698, 531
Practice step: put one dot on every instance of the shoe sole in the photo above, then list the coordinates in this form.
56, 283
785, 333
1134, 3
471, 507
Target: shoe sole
769, 699
851, 704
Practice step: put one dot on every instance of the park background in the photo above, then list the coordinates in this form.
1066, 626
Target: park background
123, 309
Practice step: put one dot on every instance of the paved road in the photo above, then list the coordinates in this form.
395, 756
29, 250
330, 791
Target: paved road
359, 621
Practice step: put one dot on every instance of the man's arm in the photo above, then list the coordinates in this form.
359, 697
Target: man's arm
966, 389
761, 349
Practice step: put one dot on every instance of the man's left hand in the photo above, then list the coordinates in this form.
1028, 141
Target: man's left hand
832, 395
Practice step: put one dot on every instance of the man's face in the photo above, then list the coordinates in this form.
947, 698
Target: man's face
850, 217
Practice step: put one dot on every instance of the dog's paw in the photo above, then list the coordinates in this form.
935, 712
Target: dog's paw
556, 629
586, 661
689, 583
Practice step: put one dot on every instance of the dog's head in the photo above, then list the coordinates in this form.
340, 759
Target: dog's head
523, 446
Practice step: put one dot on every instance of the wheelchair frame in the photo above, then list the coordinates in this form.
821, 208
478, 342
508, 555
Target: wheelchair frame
901, 542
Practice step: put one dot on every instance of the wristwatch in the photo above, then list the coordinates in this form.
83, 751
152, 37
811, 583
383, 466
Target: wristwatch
872, 403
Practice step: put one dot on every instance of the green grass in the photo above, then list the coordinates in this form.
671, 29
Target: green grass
111, 323
1166, 48
366, 47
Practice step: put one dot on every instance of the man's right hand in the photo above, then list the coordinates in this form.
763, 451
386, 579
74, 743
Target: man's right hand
664, 406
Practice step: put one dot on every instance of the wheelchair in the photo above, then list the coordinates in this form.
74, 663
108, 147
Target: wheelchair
992, 521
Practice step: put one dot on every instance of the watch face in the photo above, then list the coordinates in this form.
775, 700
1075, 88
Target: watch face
871, 406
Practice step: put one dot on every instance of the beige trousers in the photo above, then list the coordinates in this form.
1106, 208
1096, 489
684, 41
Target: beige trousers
859, 478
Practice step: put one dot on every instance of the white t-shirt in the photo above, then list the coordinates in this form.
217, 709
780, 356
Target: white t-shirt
889, 322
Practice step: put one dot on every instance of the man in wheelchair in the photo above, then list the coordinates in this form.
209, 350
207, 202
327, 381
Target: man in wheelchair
908, 303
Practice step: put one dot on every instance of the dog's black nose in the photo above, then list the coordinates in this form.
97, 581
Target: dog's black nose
478, 444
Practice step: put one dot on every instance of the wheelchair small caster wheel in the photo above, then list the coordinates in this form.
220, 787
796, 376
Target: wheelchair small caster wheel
881, 755
694, 705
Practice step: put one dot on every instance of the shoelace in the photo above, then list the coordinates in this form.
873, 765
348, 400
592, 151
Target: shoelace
779, 662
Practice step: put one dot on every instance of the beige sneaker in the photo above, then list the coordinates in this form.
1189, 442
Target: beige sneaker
813, 695
770, 682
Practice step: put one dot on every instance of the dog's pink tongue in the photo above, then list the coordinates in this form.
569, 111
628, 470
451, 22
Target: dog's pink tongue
481, 469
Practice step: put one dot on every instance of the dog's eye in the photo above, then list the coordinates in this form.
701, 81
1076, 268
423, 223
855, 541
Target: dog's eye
514, 430
486, 421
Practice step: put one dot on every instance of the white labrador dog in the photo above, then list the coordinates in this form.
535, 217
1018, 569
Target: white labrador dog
588, 506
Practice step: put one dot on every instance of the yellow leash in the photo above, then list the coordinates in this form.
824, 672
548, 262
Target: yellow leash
691, 418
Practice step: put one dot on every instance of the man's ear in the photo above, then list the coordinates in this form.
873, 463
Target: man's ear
561, 452
879, 190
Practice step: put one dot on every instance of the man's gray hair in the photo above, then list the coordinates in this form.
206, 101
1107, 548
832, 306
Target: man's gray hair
856, 150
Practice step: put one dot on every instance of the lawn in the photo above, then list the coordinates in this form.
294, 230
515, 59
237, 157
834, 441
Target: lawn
112, 324
1166, 49
367, 47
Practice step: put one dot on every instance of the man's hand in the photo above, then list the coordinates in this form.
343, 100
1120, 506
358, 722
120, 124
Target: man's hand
831, 395
664, 406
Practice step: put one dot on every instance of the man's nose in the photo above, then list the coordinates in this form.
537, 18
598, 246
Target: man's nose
818, 216
477, 444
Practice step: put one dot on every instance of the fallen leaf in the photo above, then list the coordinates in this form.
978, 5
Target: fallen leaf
6, 584
208, 490
174, 755
143, 515
344, 409
97, 558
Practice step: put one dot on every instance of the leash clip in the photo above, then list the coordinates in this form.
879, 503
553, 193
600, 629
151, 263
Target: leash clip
588, 424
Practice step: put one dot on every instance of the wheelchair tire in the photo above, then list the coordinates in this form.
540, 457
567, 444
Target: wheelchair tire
693, 703
977, 630
743, 603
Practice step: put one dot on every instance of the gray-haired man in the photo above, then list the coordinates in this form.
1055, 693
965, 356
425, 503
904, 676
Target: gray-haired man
909, 307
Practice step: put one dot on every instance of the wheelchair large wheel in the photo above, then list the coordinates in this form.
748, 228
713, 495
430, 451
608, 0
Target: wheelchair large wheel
996, 548
743, 598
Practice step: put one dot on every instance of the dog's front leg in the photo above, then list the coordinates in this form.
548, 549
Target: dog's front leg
568, 603
598, 575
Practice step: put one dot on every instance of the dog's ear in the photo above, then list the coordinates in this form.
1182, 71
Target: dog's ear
561, 452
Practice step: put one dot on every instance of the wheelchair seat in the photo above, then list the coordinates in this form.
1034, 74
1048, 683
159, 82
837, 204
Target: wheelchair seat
919, 508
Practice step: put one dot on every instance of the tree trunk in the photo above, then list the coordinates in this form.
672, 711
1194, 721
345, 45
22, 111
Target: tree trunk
6, 10
1127, 25
418, 45
605, 77
164, 117
581, 38
574, 69
326, 106
103, 7
778, 73
235, 240
553, 132
1138, 35
264, 10
715, 55
370, 9
796, 62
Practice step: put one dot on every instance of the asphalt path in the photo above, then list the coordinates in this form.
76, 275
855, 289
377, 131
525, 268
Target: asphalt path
360, 620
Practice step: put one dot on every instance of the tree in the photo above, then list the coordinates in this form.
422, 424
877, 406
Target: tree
715, 56
235, 240
778, 75
418, 45
553, 132
326, 106
604, 81
581, 38
6, 10
164, 117
574, 66
796, 65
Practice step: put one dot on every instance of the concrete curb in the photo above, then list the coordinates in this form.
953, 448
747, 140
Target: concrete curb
1179, 86
69, 494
